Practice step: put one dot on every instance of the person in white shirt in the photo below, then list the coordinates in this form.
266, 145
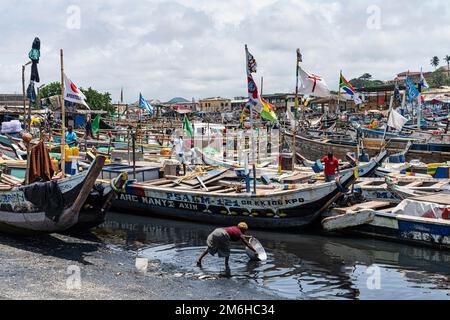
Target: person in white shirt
178, 149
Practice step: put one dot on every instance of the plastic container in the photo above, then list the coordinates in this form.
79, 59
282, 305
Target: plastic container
75, 151
317, 167
67, 154
442, 173
260, 254
55, 165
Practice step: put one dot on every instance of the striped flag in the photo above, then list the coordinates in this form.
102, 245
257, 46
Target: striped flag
346, 86
251, 63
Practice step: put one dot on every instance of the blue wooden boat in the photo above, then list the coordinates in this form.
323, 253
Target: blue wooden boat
47, 207
422, 220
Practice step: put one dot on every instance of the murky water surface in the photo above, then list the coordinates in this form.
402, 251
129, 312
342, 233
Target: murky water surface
299, 266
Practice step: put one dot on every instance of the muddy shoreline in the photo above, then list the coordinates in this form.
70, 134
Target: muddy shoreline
41, 267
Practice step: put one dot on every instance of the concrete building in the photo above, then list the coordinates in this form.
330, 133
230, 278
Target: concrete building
12, 100
182, 105
281, 101
216, 104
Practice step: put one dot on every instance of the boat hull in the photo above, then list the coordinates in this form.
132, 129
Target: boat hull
407, 229
280, 210
19, 215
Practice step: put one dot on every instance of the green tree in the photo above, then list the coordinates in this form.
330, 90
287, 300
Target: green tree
97, 100
49, 90
365, 81
438, 79
434, 62
447, 59
366, 77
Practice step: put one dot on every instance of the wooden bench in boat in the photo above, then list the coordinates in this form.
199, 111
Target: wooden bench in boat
366, 205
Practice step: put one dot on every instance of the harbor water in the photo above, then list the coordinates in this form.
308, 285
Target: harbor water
299, 266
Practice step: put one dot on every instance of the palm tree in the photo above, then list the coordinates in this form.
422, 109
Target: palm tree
435, 62
447, 59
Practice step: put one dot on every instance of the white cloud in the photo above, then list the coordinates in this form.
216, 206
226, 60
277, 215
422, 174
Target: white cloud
195, 48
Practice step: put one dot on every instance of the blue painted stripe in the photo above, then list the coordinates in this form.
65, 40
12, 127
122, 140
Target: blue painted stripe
430, 228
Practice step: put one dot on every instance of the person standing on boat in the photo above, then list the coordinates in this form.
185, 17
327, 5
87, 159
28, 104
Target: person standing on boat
219, 242
89, 134
71, 137
178, 148
331, 167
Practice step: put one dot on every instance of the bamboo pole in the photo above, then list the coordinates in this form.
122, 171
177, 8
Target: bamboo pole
63, 117
251, 126
296, 105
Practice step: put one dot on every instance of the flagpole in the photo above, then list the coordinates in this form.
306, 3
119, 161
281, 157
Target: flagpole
339, 98
389, 114
63, 117
419, 102
294, 131
251, 127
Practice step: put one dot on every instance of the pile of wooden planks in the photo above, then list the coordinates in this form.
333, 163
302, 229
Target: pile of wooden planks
7, 182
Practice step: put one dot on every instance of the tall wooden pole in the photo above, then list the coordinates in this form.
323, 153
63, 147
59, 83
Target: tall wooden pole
296, 105
63, 117
24, 99
25, 123
252, 138
24, 96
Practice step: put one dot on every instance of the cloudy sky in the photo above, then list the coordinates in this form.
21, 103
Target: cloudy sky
195, 48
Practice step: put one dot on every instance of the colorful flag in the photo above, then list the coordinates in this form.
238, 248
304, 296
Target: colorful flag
267, 112
72, 93
346, 86
411, 91
349, 89
188, 127
96, 125
397, 95
253, 94
313, 85
423, 82
143, 104
251, 62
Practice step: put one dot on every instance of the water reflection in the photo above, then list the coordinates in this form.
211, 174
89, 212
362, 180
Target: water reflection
298, 266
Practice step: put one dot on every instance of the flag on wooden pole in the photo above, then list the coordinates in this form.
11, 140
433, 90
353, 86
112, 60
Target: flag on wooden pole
72, 93
312, 84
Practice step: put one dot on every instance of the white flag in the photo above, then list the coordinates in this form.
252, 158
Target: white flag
72, 93
396, 120
313, 85
423, 81
357, 99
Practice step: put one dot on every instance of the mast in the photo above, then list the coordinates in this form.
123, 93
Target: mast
252, 138
338, 111
294, 132
63, 117
419, 102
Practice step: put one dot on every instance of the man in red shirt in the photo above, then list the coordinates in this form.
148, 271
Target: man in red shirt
219, 242
331, 167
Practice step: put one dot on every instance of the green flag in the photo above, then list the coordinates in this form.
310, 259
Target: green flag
96, 125
188, 127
